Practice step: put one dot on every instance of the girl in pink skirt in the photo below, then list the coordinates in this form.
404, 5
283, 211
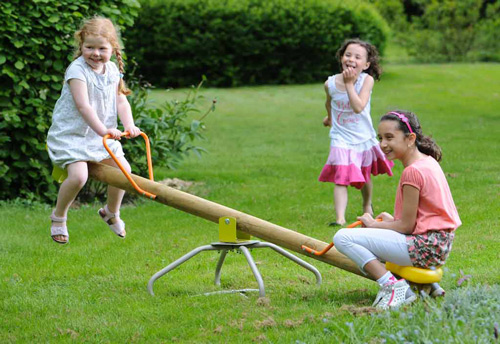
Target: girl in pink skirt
354, 150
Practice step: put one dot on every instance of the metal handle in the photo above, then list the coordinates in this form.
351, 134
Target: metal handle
148, 156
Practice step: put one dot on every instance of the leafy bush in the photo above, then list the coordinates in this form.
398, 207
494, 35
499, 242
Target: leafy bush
171, 128
445, 30
487, 44
247, 42
36, 46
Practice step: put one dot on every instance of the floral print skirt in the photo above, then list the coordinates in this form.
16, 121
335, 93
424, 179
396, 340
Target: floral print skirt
430, 249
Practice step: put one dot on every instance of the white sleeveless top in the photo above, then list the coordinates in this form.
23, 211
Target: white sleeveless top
348, 127
70, 138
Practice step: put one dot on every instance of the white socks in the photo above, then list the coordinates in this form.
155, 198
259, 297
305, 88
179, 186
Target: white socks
388, 277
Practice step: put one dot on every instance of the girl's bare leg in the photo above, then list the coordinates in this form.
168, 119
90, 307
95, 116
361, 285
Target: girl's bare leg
115, 195
340, 199
375, 269
366, 192
77, 177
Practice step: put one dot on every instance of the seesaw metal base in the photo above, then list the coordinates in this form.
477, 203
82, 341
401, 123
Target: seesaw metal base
243, 247
433, 290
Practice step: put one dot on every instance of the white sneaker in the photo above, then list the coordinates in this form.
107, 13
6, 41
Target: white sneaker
393, 295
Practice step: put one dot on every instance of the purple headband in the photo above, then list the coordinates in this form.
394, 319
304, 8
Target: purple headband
403, 119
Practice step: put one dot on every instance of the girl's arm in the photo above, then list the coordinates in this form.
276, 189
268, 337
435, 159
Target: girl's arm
327, 121
406, 224
357, 101
79, 92
125, 114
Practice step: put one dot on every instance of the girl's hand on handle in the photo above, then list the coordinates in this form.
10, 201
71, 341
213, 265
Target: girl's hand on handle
114, 134
385, 217
327, 121
133, 131
367, 220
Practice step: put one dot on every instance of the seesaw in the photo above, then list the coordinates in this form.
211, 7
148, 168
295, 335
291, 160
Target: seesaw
212, 211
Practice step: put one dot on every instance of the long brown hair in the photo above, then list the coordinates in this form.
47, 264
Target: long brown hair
375, 70
425, 144
103, 27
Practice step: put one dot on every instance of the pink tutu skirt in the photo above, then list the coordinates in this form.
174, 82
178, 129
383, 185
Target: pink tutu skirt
354, 165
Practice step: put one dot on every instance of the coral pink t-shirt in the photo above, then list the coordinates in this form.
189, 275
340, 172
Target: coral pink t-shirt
436, 209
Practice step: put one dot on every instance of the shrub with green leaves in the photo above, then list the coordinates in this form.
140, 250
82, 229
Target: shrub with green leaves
445, 30
172, 127
247, 42
36, 46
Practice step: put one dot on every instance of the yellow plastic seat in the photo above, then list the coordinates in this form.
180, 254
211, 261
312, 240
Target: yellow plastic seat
59, 174
415, 275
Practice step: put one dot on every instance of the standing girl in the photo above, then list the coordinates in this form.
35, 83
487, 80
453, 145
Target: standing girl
93, 95
354, 151
425, 217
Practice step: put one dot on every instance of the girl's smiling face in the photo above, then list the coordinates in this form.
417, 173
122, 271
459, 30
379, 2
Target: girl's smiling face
356, 57
96, 50
393, 141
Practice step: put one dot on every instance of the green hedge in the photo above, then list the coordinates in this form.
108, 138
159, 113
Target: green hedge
247, 42
445, 30
36, 46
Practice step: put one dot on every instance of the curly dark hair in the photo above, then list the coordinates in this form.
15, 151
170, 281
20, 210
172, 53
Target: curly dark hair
375, 70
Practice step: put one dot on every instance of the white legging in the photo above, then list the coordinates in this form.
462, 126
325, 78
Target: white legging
363, 245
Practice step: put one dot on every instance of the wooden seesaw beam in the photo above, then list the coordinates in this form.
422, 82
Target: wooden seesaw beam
213, 211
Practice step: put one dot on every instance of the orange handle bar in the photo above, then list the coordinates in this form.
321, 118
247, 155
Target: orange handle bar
330, 245
148, 156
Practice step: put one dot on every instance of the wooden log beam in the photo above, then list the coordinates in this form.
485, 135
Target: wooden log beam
213, 211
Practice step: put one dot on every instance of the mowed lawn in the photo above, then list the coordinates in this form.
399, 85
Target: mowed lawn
266, 148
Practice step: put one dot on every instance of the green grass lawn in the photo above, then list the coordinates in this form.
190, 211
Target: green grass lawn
266, 148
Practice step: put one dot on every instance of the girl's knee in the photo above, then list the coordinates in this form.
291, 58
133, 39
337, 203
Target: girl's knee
77, 174
340, 239
78, 180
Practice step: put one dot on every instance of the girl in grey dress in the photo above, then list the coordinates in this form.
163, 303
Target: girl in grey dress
92, 98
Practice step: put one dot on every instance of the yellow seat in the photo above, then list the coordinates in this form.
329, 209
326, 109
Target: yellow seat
415, 275
59, 174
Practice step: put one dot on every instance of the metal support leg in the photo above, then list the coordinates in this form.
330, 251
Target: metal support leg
291, 257
436, 290
219, 266
177, 263
255, 271
243, 247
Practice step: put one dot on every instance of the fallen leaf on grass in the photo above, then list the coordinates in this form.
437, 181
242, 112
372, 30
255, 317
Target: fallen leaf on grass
73, 334
293, 323
357, 291
359, 310
237, 324
260, 338
263, 301
304, 280
266, 323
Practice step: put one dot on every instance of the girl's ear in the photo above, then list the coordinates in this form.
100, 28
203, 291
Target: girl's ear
412, 137
367, 66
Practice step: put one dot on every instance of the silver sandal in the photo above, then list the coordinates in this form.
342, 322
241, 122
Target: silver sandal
118, 227
59, 230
